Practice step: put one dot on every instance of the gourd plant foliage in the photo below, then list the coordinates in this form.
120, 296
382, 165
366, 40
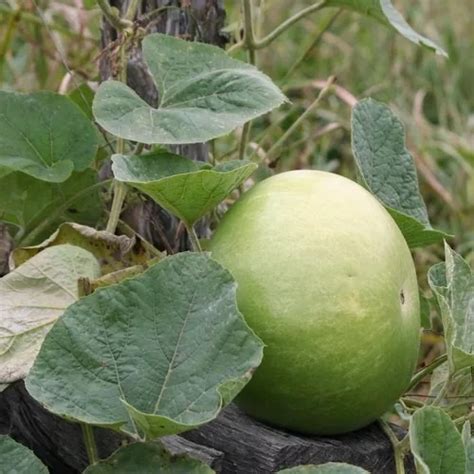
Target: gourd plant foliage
108, 331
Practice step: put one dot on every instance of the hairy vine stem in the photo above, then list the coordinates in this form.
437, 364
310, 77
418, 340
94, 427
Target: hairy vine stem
89, 442
112, 15
258, 44
120, 189
398, 446
193, 238
249, 40
419, 376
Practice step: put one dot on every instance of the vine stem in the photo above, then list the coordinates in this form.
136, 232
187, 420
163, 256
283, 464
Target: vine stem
120, 189
262, 43
248, 43
89, 442
302, 117
442, 392
193, 238
398, 446
112, 15
419, 376
8, 37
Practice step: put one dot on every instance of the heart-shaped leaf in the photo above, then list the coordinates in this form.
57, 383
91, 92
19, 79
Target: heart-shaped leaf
204, 94
453, 284
387, 14
147, 458
32, 298
186, 188
18, 459
28, 204
154, 355
114, 252
328, 468
45, 135
388, 170
436, 443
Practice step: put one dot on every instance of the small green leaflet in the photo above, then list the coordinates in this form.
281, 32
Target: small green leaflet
453, 284
328, 468
147, 458
45, 135
18, 459
186, 188
26, 202
204, 94
154, 355
388, 170
384, 12
436, 443
32, 298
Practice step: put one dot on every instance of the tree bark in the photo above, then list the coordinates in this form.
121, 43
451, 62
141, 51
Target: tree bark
200, 20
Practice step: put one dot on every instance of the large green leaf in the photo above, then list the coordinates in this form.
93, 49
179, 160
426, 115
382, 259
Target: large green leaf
328, 468
388, 170
453, 284
26, 203
147, 458
186, 188
114, 252
436, 443
18, 459
468, 441
32, 298
45, 135
154, 355
384, 12
204, 94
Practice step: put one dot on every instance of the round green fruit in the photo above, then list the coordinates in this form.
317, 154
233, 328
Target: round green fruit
327, 281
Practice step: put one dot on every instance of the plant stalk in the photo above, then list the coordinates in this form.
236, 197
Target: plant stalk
262, 43
398, 446
7, 38
89, 442
193, 238
419, 376
248, 43
112, 15
301, 118
132, 10
120, 189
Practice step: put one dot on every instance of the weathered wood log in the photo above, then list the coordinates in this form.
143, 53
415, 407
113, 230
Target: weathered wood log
253, 447
59, 443
234, 443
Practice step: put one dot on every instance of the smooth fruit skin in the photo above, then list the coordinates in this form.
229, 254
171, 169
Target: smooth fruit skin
326, 279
